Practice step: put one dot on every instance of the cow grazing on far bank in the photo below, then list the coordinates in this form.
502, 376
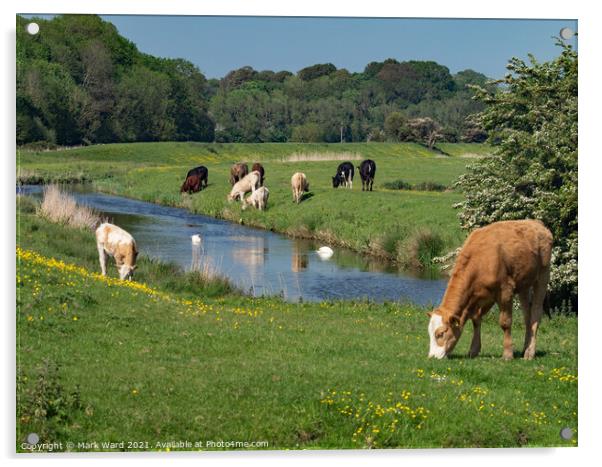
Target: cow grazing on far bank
116, 242
258, 199
495, 263
249, 183
344, 175
299, 185
259, 168
238, 172
196, 180
367, 172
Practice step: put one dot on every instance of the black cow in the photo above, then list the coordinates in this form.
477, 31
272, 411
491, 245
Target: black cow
344, 176
367, 172
196, 180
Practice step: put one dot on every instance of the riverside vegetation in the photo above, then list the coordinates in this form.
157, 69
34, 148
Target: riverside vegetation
408, 226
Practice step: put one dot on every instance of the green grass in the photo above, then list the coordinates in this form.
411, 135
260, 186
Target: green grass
105, 360
377, 223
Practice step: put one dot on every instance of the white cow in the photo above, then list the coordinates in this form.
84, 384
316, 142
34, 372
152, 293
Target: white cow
300, 185
258, 199
250, 182
114, 241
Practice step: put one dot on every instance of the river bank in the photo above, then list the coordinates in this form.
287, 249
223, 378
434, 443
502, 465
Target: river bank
404, 226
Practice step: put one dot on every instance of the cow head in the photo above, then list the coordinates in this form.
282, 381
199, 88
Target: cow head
126, 272
444, 333
336, 181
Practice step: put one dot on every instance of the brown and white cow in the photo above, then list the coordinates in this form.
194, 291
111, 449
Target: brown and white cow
495, 263
116, 242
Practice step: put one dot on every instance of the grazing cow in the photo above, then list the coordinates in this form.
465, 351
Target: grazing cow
344, 175
299, 185
192, 184
249, 183
258, 199
238, 172
496, 262
116, 242
196, 180
367, 172
259, 168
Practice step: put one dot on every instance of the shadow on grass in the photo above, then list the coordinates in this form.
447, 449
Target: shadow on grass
306, 196
517, 355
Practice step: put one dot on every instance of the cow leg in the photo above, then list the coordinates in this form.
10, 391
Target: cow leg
506, 324
475, 345
102, 258
525, 303
371, 183
539, 295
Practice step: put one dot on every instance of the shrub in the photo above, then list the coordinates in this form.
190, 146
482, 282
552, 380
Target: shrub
532, 124
419, 249
422, 186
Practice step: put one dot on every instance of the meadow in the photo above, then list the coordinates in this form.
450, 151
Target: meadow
170, 357
407, 226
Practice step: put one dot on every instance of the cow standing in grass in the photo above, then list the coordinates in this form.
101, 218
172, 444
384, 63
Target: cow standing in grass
344, 175
116, 242
495, 263
238, 172
249, 183
196, 180
258, 199
367, 172
299, 185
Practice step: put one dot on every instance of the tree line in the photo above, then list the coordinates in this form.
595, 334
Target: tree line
80, 82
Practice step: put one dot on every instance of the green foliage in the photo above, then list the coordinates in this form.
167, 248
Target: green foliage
44, 406
316, 71
421, 186
533, 174
80, 82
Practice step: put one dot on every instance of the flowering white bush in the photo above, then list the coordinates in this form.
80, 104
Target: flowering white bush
532, 122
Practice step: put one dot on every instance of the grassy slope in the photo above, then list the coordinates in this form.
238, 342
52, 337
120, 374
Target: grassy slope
381, 222
153, 365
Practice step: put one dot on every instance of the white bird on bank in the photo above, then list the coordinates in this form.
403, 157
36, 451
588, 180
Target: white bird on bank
325, 252
196, 239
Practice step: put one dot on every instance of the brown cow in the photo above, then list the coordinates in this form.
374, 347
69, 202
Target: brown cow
192, 184
495, 263
238, 172
259, 168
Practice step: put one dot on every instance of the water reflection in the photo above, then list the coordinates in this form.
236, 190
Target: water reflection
299, 258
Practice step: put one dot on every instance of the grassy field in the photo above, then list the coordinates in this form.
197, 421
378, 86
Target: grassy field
168, 358
407, 226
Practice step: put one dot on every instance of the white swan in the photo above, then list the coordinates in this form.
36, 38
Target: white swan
325, 252
196, 239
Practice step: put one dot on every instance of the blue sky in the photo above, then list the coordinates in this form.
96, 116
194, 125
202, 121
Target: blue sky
220, 44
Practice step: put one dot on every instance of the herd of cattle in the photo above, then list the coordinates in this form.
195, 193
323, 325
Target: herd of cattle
496, 262
243, 181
